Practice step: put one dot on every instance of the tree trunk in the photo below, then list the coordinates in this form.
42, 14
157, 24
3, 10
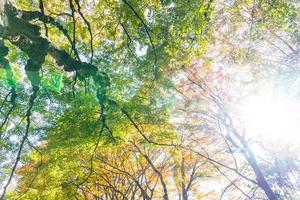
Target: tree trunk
184, 194
250, 157
261, 180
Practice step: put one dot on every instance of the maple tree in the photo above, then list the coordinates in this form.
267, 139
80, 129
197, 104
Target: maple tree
137, 99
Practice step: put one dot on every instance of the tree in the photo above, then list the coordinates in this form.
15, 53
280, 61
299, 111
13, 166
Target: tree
217, 89
136, 99
127, 47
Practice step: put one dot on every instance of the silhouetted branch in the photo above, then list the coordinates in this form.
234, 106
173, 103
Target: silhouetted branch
103, 121
147, 32
28, 115
89, 28
159, 174
7, 116
232, 182
30, 15
5, 100
13, 103
226, 188
41, 5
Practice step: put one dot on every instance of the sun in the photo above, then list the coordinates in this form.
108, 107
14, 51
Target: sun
271, 114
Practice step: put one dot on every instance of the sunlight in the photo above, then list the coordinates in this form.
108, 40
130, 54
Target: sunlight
271, 115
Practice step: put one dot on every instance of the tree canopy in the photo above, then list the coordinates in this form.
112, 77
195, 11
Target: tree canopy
149, 99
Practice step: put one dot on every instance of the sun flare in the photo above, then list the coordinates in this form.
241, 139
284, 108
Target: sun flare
272, 115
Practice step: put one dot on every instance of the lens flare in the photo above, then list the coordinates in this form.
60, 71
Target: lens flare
272, 115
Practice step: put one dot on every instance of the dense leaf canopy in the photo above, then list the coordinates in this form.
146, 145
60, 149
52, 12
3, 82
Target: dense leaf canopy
127, 99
